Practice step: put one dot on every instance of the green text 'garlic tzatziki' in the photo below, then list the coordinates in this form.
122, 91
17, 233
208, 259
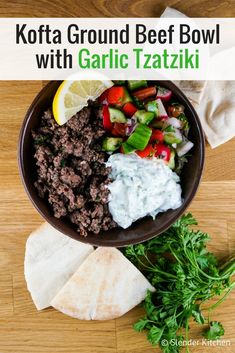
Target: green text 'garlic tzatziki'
141, 187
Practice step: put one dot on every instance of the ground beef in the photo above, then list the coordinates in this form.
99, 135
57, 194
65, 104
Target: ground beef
71, 172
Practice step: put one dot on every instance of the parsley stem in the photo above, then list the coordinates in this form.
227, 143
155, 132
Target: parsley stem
164, 273
228, 268
213, 306
174, 254
147, 259
141, 262
154, 269
186, 336
195, 264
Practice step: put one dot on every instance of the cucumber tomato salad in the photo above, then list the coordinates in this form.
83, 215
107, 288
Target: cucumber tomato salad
147, 120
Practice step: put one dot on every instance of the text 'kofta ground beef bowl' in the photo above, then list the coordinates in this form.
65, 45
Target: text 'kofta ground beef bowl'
115, 167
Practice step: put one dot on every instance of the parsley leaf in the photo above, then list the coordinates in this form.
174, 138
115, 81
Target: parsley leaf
140, 325
184, 120
41, 140
63, 163
197, 314
215, 331
154, 335
169, 128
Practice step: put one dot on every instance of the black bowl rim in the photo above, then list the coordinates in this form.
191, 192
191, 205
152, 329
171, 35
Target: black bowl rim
101, 241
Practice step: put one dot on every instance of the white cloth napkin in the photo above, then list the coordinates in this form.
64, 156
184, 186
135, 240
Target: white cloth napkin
214, 102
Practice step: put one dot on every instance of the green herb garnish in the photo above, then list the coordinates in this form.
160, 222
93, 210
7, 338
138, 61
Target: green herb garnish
40, 140
185, 275
169, 128
180, 161
215, 331
183, 118
63, 163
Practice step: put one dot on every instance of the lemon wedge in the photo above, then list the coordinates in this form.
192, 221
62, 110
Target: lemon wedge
72, 96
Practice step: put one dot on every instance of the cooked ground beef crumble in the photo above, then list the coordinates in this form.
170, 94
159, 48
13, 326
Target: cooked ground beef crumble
71, 169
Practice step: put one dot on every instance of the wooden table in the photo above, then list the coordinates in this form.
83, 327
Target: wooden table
22, 328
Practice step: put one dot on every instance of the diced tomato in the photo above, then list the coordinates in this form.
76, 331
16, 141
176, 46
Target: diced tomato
129, 109
145, 93
106, 118
119, 129
104, 97
175, 110
163, 152
157, 136
149, 151
115, 95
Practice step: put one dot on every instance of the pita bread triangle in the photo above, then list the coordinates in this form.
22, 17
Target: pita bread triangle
104, 287
50, 260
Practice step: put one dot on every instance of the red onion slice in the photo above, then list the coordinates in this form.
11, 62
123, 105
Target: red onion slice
131, 125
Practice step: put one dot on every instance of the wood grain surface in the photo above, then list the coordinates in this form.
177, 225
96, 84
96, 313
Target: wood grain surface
114, 8
22, 328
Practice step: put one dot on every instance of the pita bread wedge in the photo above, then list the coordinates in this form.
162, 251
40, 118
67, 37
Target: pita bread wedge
50, 260
104, 287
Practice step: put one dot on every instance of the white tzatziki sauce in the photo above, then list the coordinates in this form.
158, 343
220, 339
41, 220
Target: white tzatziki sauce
141, 187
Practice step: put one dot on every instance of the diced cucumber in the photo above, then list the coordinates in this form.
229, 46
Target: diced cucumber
117, 116
140, 137
137, 103
135, 84
126, 97
144, 117
127, 148
119, 82
173, 137
162, 111
111, 144
152, 107
171, 163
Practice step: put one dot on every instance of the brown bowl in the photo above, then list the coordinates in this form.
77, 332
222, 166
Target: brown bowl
141, 230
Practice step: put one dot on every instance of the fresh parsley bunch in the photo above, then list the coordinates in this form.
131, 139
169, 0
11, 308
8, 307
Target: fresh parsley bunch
185, 275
